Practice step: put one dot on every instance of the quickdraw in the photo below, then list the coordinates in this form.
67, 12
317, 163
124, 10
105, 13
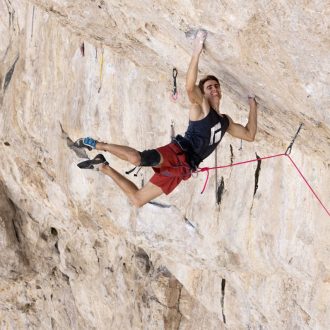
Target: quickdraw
174, 95
287, 154
288, 150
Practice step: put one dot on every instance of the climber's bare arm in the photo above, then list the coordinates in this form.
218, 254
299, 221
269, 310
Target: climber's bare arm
194, 93
249, 131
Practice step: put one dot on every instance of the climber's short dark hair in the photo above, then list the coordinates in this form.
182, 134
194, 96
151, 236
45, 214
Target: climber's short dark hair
204, 80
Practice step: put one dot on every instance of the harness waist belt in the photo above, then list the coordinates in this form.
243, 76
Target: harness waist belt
193, 159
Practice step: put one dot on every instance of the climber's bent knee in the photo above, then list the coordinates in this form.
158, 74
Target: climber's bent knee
150, 158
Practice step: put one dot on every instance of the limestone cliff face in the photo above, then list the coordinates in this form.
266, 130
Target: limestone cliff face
252, 252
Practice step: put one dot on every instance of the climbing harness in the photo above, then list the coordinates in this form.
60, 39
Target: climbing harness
287, 154
192, 158
174, 95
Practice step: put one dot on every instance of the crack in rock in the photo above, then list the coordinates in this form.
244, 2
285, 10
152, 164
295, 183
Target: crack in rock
257, 173
78, 151
220, 190
223, 287
9, 74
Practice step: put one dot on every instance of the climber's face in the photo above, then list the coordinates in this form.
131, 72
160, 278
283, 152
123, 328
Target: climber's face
212, 89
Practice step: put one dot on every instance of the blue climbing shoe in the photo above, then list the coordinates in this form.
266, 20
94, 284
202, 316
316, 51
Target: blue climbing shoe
93, 164
86, 142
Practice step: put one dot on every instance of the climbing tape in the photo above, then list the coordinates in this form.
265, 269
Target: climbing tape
174, 91
287, 154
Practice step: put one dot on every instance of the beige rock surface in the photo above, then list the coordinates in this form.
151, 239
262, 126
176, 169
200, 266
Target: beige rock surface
75, 254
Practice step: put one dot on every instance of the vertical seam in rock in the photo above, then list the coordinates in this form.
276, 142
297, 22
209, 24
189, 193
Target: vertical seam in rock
256, 175
9, 74
56, 247
82, 49
11, 14
188, 222
178, 306
16, 231
223, 287
32, 23
13, 220
220, 190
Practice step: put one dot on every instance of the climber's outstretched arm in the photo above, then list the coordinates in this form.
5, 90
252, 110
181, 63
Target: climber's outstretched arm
248, 132
194, 93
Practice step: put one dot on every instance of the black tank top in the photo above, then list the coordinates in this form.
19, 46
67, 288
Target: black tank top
206, 134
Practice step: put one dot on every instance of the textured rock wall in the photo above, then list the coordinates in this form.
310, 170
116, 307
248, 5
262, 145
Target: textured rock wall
75, 254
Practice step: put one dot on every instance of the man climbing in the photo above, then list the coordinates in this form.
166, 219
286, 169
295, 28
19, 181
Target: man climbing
175, 162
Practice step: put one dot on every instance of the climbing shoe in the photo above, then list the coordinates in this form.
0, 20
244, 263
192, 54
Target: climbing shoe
93, 164
86, 142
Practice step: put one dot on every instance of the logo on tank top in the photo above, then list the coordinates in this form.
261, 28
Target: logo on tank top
215, 134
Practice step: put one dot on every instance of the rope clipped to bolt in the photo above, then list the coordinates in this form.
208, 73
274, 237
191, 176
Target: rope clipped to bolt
287, 154
288, 150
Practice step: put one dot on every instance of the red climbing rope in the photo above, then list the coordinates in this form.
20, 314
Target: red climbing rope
207, 169
308, 185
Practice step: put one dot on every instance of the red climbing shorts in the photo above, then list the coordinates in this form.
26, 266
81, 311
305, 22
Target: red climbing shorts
173, 170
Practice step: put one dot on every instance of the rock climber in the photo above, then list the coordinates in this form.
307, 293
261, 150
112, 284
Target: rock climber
176, 161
